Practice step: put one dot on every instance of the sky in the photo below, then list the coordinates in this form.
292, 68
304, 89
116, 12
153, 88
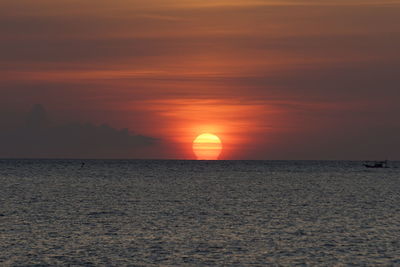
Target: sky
143, 78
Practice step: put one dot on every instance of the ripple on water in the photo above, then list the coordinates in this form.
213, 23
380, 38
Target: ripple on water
182, 213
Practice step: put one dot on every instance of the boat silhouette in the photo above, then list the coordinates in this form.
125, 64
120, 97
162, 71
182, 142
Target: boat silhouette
377, 164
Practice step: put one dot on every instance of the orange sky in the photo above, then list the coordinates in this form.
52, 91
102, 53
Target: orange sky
273, 79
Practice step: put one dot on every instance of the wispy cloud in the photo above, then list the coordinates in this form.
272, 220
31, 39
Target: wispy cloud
273, 72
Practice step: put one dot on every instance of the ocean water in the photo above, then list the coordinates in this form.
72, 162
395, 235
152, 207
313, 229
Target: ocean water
192, 213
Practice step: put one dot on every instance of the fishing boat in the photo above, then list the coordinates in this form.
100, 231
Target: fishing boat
377, 164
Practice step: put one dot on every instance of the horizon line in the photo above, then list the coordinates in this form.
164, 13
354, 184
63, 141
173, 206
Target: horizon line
161, 159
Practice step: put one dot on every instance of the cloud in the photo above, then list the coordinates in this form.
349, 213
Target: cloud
307, 76
38, 137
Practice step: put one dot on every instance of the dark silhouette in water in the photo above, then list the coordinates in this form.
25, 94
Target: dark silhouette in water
377, 164
82, 165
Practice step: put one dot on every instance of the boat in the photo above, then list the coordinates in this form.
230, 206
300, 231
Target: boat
377, 164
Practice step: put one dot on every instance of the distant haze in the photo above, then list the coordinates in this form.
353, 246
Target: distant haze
141, 79
37, 137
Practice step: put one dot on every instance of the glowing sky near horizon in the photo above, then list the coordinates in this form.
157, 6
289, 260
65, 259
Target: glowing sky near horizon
274, 79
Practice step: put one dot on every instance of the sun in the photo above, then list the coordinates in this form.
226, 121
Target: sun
207, 146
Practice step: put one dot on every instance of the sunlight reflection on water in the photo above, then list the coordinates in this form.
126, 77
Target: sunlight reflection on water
178, 213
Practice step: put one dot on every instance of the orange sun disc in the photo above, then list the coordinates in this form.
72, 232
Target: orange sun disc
207, 147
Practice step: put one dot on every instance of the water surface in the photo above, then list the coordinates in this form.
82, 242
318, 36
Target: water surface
191, 213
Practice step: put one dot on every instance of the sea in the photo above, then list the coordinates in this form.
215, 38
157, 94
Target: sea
198, 213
